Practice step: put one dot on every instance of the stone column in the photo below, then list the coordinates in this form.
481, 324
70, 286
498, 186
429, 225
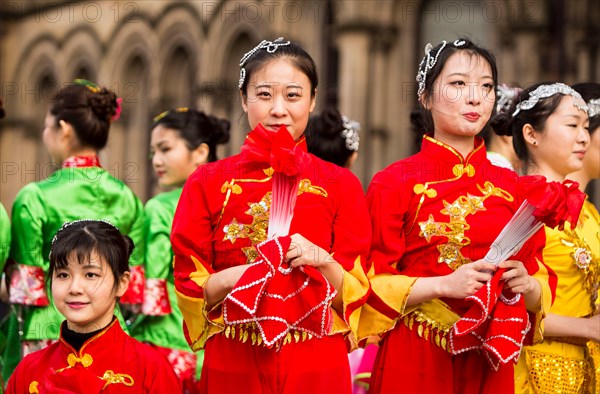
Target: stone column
354, 70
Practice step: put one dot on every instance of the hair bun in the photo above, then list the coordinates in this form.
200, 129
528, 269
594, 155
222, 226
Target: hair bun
103, 104
329, 123
221, 129
501, 124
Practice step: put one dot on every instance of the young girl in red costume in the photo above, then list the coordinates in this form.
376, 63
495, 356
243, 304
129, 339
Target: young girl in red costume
75, 129
272, 311
435, 216
88, 273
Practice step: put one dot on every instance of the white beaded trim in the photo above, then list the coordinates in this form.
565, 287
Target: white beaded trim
330, 295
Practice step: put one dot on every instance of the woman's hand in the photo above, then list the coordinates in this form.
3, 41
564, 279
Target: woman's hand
516, 277
467, 279
518, 280
304, 252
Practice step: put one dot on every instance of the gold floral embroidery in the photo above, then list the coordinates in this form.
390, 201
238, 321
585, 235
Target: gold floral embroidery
585, 261
114, 378
456, 227
86, 360
233, 231
256, 231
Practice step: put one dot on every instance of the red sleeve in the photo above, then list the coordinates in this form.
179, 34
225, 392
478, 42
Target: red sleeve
388, 207
352, 236
191, 239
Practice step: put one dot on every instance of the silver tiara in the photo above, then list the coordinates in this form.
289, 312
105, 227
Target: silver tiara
429, 61
67, 224
269, 46
593, 107
350, 133
505, 97
545, 91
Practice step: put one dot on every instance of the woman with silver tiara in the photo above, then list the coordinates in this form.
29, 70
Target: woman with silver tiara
549, 125
269, 245
450, 320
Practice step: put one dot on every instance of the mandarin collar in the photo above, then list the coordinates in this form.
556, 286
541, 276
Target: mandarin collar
438, 151
81, 162
111, 332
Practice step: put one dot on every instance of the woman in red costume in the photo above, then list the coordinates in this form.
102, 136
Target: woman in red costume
272, 311
435, 216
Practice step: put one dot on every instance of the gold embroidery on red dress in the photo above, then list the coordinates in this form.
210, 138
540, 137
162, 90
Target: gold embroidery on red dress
457, 225
256, 231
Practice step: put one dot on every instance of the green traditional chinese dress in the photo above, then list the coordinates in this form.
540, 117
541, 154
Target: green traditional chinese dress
4, 237
161, 321
4, 249
81, 189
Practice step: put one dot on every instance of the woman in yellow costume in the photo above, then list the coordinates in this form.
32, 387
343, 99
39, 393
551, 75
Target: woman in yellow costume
549, 125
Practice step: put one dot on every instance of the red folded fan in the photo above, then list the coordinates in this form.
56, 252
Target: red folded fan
494, 324
277, 298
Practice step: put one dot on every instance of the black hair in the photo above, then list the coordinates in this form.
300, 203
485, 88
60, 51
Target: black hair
506, 124
294, 52
196, 128
324, 137
420, 118
88, 109
84, 237
590, 91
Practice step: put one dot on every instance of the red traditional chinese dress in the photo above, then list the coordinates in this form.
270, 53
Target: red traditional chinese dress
109, 362
222, 216
432, 213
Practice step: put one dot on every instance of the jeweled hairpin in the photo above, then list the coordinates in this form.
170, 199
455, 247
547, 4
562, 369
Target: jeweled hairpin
593, 107
545, 91
429, 61
67, 224
94, 88
269, 46
165, 113
505, 97
350, 133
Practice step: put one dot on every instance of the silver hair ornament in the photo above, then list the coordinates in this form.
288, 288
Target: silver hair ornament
593, 107
269, 46
67, 224
429, 61
350, 133
505, 97
545, 91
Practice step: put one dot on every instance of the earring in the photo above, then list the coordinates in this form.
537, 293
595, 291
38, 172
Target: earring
534, 142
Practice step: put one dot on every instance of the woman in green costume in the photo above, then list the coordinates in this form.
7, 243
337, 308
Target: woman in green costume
181, 140
75, 130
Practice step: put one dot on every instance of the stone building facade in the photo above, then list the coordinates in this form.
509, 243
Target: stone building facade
160, 54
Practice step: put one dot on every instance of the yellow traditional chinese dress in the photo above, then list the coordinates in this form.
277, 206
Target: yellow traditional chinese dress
568, 365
